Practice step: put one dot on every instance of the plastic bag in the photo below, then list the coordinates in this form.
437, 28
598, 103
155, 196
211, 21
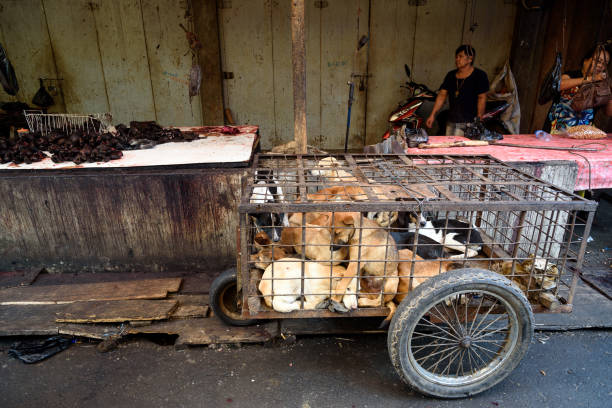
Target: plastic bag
503, 88
584, 132
42, 97
33, 351
551, 86
8, 79
477, 131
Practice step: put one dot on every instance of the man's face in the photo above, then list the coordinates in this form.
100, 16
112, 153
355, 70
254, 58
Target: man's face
462, 60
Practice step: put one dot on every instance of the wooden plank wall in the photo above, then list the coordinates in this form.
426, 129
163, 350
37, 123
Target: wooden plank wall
256, 45
129, 57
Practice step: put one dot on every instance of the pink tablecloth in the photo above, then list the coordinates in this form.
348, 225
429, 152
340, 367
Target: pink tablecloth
600, 162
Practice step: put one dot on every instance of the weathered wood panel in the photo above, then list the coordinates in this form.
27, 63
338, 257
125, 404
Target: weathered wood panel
261, 90
283, 73
392, 36
211, 91
114, 55
24, 35
246, 38
169, 63
121, 41
343, 22
72, 29
118, 219
492, 38
85, 292
313, 75
117, 311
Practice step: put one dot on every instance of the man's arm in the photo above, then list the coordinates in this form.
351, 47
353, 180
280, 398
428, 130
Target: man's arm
482, 100
437, 106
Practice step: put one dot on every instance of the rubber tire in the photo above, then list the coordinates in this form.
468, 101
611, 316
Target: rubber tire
218, 290
437, 288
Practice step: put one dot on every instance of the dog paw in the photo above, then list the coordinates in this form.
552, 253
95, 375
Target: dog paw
324, 304
337, 307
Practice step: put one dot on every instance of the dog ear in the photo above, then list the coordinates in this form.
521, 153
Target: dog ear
343, 219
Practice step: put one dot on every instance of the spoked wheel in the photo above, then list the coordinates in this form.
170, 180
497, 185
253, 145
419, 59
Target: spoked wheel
460, 333
224, 299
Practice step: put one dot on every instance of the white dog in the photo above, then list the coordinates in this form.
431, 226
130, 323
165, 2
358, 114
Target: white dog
319, 282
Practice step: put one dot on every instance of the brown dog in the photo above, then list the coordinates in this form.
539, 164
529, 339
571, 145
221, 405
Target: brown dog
423, 270
353, 193
373, 255
267, 251
317, 236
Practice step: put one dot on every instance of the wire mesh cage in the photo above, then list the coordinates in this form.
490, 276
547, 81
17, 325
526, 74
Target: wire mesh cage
354, 234
46, 122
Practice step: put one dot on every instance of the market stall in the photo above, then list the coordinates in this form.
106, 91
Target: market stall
170, 207
594, 168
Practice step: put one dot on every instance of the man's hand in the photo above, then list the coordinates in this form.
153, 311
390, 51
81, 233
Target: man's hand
429, 121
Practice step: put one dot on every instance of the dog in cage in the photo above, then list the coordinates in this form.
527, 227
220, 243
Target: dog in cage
452, 234
372, 261
281, 285
328, 169
267, 189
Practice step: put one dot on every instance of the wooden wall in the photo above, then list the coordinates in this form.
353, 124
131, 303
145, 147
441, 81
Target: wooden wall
256, 49
127, 57
130, 57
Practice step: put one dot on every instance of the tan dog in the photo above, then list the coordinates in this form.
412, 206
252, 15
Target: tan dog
423, 270
376, 246
317, 235
328, 168
353, 193
281, 285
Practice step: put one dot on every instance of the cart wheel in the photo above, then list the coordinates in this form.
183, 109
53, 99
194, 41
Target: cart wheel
224, 299
460, 333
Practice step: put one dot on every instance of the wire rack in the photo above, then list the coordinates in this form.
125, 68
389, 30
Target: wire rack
533, 232
46, 122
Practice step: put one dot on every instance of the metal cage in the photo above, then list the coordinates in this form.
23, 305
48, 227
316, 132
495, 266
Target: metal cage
296, 212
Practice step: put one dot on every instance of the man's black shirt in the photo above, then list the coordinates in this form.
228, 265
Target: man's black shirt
464, 107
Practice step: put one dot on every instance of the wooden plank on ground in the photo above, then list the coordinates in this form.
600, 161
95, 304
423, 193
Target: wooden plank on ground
190, 311
193, 332
30, 320
57, 294
117, 311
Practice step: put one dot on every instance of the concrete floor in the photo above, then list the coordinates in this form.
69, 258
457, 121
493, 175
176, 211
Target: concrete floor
561, 369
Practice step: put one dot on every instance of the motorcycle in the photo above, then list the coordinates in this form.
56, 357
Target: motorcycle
404, 120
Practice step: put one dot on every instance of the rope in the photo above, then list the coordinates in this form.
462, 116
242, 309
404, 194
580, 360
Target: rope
603, 147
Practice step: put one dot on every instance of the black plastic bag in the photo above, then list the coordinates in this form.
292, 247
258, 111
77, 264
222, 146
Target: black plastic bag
8, 79
42, 97
551, 86
32, 351
414, 137
477, 131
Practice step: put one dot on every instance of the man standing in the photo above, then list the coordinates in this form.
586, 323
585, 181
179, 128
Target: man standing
466, 88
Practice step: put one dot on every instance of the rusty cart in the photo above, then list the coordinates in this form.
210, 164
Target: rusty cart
458, 252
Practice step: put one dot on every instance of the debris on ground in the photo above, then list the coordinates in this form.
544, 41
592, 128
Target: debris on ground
33, 351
